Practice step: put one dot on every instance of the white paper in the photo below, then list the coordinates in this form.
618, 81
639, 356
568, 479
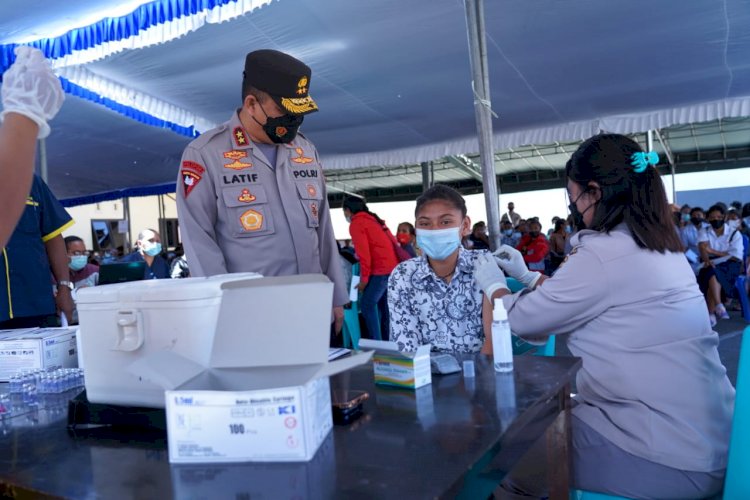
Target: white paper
353, 292
122, 226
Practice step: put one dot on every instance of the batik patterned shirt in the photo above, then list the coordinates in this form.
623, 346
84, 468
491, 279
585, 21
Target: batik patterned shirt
425, 309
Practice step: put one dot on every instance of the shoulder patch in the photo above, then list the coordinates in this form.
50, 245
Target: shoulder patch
206, 136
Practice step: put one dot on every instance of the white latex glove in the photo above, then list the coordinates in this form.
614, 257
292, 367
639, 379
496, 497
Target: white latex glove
30, 88
511, 261
489, 277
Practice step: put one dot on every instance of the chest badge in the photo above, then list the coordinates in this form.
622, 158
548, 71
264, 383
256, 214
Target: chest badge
301, 158
246, 196
314, 210
312, 190
236, 156
240, 137
251, 220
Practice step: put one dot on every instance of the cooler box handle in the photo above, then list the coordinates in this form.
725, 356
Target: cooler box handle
129, 331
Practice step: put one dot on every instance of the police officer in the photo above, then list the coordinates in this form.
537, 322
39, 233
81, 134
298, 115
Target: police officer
250, 193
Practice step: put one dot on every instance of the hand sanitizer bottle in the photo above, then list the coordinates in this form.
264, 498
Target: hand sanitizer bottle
502, 345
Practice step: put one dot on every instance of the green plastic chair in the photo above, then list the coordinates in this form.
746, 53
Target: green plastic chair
351, 330
736, 482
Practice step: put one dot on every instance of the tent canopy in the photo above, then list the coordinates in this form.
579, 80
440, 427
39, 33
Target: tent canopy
392, 79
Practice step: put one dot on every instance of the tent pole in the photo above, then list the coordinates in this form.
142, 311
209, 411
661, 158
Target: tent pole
43, 160
670, 159
426, 181
483, 113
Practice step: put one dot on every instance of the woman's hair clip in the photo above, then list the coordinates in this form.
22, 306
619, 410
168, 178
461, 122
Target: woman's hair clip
641, 161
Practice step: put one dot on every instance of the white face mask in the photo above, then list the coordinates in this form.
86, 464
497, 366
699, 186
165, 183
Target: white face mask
733, 224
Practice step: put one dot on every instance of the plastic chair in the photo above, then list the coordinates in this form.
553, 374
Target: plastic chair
736, 482
351, 331
739, 285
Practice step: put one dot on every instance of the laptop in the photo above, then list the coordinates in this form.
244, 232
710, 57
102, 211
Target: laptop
121, 272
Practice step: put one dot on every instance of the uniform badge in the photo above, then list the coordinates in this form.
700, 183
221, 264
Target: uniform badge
312, 190
251, 220
314, 210
235, 156
302, 86
240, 137
301, 158
246, 196
191, 173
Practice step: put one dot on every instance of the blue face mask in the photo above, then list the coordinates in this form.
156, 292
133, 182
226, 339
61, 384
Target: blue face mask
508, 232
685, 217
152, 250
438, 244
78, 262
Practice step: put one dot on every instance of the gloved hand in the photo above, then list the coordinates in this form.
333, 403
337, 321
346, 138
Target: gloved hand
30, 88
511, 261
489, 277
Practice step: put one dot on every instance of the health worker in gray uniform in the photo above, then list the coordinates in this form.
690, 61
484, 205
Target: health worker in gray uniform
251, 196
654, 404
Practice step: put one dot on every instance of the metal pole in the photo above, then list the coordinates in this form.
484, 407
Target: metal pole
426, 181
43, 160
482, 111
126, 212
670, 159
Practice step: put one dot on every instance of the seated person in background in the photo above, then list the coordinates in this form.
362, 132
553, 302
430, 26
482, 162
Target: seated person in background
407, 238
82, 274
534, 246
435, 299
148, 249
557, 240
689, 235
478, 239
721, 253
509, 235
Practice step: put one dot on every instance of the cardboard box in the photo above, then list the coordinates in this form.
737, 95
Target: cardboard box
34, 348
396, 368
275, 425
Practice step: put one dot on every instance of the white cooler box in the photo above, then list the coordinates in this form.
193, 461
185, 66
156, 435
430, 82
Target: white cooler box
235, 332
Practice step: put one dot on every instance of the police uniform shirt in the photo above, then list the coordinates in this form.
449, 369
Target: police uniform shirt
238, 213
27, 281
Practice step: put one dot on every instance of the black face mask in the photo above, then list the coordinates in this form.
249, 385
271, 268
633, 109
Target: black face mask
577, 214
533, 234
697, 221
716, 224
281, 129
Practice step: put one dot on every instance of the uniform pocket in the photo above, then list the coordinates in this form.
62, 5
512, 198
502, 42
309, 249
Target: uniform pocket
311, 197
248, 211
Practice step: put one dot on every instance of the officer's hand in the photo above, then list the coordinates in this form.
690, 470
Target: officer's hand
361, 287
338, 319
489, 277
511, 261
30, 88
64, 301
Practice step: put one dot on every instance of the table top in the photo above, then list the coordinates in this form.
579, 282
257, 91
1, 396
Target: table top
418, 443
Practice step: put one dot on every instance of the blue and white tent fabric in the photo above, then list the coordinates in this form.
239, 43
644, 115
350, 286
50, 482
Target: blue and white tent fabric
391, 77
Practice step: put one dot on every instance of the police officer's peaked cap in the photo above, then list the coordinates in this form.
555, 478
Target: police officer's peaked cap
284, 78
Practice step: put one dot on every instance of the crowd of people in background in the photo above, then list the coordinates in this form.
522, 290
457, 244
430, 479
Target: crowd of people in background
715, 241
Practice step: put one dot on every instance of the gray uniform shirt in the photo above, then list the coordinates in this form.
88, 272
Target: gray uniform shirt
651, 382
238, 213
